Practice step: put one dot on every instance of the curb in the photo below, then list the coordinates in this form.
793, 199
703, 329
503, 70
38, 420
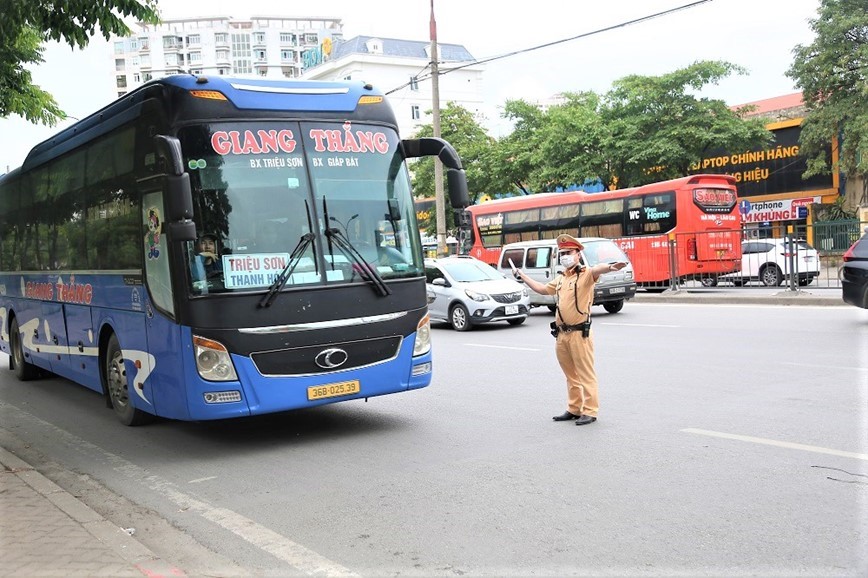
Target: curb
114, 538
784, 298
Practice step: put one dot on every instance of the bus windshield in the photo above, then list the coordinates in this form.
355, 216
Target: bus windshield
260, 187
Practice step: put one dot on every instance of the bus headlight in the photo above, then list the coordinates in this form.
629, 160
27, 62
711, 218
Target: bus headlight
422, 344
212, 360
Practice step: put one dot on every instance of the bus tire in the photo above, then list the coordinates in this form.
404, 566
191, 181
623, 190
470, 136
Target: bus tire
459, 318
709, 280
614, 306
24, 370
117, 386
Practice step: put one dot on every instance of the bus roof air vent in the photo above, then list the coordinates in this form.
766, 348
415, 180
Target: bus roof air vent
201, 80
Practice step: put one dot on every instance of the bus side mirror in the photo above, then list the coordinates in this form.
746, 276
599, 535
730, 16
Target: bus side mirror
456, 180
178, 196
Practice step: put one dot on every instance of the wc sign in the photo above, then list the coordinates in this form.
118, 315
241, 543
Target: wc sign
782, 210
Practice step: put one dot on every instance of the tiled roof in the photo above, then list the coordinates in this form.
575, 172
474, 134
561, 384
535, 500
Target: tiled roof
772, 104
401, 48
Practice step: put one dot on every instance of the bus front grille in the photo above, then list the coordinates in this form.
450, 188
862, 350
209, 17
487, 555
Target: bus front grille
328, 357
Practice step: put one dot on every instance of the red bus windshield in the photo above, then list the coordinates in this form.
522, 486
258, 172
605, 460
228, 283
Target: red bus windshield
694, 218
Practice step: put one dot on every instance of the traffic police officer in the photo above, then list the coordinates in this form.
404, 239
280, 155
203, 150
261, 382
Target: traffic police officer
574, 291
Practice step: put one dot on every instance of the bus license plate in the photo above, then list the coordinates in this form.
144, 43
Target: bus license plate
338, 389
511, 309
616, 290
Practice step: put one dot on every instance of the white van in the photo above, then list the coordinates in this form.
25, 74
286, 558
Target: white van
539, 260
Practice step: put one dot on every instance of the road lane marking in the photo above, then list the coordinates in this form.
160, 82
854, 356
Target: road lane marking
638, 324
299, 557
501, 347
780, 444
200, 480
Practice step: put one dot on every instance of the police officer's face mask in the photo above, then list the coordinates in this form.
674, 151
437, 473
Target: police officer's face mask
568, 260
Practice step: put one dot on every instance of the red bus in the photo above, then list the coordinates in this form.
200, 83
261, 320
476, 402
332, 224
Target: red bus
692, 223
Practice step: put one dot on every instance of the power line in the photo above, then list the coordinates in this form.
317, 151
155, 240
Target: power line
418, 78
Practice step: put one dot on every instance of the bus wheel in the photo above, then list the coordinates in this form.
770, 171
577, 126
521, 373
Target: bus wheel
709, 280
116, 384
614, 306
24, 370
460, 318
771, 276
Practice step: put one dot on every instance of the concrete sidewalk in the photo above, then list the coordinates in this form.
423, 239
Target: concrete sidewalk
46, 531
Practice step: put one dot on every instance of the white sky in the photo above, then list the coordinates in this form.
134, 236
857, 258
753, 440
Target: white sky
756, 34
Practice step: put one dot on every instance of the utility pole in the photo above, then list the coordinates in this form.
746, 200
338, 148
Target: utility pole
439, 197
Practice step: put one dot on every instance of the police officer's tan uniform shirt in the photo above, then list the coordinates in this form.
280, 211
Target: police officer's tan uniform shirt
572, 287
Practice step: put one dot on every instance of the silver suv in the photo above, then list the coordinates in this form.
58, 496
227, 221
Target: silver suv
464, 292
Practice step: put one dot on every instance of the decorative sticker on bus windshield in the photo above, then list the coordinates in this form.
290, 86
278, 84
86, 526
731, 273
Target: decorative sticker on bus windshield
346, 141
152, 238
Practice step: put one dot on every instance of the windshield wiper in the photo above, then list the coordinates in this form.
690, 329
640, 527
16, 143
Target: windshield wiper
281, 279
368, 273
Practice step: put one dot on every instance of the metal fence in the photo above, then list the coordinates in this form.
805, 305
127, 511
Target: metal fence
766, 262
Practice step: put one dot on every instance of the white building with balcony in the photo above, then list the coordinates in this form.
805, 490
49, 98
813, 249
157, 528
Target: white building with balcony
401, 68
262, 46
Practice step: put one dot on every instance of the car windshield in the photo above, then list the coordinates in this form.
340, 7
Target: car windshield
603, 252
466, 271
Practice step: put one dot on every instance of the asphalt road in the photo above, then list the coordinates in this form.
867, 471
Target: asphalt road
732, 440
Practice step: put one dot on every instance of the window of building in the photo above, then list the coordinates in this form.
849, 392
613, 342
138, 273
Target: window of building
242, 55
120, 64
311, 38
144, 44
146, 60
221, 38
195, 57
137, 77
146, 76
414, 112
135, 61
259, 37
170, 42
222, 55
223, 71
287, 56
194, 40
262, 71
119, 47
171, 59
260, 55
287, 38
121, 81
196, 71
134, 44
414, 83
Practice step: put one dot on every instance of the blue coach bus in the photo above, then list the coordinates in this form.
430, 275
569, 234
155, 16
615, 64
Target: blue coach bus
312, 287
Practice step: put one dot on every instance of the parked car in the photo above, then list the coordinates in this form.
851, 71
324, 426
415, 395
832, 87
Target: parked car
538, 260
465, 291
854, 273
768, 261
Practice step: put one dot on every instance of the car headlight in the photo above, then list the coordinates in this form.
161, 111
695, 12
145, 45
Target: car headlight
475, 296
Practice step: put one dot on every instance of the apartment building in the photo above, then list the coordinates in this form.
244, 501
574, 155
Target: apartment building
402, 69
261, 46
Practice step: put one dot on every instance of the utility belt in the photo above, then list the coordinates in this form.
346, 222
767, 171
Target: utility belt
557, 328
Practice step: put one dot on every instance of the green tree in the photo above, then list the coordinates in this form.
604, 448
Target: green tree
656, 127
517, 152
462, 130
26, 24
832, 73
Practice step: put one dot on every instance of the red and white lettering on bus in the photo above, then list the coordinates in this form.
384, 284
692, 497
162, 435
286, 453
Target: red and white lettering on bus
697, 216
